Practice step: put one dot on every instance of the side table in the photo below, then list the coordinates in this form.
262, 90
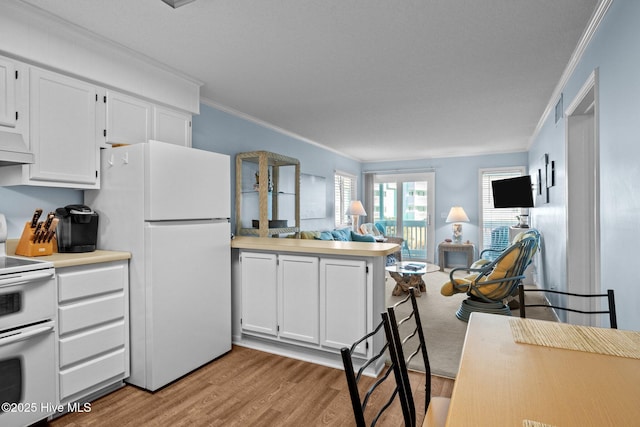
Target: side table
409, 275
445, 247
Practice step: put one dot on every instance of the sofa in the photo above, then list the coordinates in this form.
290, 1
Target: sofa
340, 234
348, 235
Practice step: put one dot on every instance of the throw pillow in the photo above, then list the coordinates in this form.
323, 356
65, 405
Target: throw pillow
362, 237
342, 235
325, 235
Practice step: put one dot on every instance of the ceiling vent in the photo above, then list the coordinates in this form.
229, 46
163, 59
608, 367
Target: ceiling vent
177, 3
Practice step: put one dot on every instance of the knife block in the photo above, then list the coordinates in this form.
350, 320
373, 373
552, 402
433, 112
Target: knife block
27, 247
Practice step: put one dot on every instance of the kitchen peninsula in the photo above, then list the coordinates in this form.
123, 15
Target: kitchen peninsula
306, 298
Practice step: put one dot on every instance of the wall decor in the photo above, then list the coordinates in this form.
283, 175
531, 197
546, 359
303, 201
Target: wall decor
313, 196
546, 177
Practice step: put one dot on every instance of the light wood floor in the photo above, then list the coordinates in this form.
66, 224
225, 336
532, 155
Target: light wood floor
245, 388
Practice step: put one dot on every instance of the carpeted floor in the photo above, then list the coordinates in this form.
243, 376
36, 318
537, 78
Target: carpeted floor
444, 332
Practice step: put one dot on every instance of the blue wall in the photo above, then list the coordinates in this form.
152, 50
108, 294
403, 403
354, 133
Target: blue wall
457, 184
456, 178
219, 131
615, 51
18, 203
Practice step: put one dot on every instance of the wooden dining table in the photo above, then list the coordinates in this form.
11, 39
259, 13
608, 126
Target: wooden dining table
502, 382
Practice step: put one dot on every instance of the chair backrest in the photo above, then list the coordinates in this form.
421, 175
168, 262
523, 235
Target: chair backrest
499, 242
500, 278
383, 387
380, 228
406, 337
611, 303
370, 228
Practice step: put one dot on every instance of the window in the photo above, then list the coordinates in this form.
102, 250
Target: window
344, 192
491, 217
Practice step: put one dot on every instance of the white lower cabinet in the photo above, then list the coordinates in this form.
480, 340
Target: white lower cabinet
259, 293
93, 328
343, 303
316, 302
298, 297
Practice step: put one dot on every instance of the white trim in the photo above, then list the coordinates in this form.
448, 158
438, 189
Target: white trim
590, 239
239, 114
589, 32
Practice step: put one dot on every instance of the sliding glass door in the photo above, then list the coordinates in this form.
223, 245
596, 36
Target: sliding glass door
403, 204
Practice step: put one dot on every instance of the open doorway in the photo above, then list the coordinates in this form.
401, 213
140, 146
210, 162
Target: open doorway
583, 203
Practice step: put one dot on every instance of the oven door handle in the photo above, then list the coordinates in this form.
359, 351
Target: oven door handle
21, 280
25, 335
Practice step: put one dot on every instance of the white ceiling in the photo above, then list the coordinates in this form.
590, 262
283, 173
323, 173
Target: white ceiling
372, 79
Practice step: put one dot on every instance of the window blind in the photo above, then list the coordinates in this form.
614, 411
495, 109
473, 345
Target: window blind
492, 217
344, 192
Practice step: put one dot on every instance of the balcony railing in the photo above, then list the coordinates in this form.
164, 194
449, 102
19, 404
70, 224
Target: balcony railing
414, 233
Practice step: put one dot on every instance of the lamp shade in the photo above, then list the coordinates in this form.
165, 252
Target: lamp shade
356, 208
457, 214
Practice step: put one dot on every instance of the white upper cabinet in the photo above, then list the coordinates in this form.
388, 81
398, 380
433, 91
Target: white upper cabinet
171, 126
7, 93
62, 131
14, 92
128, 119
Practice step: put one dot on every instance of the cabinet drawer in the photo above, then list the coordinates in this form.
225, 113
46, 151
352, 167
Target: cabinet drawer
84, 345
93, 372
90, 281
90, 312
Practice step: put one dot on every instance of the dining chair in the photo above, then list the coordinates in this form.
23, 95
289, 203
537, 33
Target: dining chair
611, 310
406, 333
384, 389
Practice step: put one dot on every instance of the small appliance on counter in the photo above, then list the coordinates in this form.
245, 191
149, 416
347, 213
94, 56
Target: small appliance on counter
77, 229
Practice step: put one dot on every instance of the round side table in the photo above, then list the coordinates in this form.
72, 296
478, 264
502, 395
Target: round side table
408, 274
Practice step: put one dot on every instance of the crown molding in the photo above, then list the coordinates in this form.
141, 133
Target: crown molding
583, 43
262, 123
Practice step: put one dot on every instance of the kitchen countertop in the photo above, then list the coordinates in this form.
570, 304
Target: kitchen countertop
60, 260
330, 247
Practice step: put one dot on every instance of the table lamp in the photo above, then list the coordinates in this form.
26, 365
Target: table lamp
356, 210
457, 215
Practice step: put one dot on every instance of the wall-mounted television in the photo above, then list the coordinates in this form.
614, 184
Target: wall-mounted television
513, 192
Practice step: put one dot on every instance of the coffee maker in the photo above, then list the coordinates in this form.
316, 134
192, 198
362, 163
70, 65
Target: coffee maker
77, 229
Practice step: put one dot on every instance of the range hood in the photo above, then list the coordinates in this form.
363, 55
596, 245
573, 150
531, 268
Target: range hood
13, 150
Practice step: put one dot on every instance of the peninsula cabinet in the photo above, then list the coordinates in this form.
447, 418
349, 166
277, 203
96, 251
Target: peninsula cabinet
306, 299
280, 296
93, 328
343, 303
314, 302
259, 299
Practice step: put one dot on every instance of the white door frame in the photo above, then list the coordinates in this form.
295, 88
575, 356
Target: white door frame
583, 200
430, 178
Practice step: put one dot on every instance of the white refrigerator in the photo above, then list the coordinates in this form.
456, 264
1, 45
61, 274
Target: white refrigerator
169, 206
